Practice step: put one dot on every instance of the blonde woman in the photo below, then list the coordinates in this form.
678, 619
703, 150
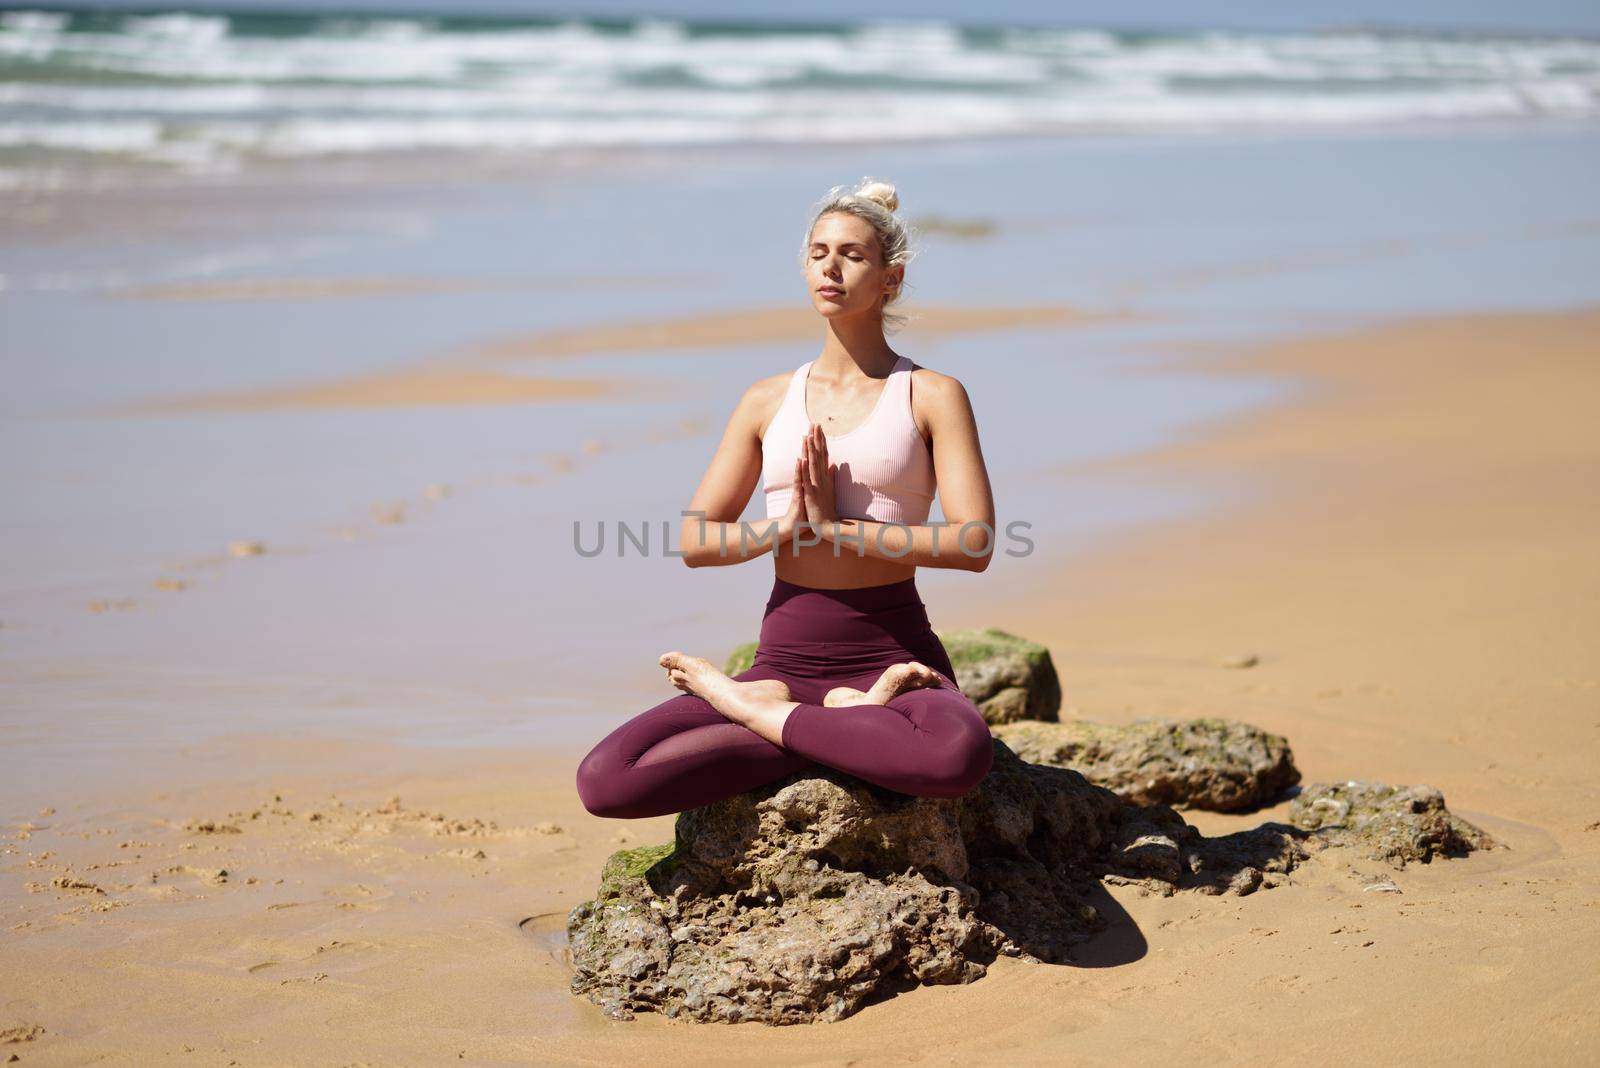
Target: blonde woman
848, 672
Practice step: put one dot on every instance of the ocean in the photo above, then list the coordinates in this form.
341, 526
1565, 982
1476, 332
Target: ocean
96, 96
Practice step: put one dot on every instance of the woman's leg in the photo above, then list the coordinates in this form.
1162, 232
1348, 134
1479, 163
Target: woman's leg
930, 742
679, 755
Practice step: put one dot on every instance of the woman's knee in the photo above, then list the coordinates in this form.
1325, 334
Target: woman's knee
607, 782
602, 783
967, 754
962, 765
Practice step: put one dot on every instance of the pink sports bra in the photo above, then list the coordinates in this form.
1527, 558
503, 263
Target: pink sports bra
884, 469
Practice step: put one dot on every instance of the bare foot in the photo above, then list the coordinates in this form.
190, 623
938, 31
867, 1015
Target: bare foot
840, 696
742, 702
773, 689
897, 678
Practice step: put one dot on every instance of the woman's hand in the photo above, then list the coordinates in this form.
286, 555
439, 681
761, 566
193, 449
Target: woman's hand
818, 478
795, 517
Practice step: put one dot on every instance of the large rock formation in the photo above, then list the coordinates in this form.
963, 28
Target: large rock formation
1394, 824
807, 898
810, 897
1007, 677
1207, 763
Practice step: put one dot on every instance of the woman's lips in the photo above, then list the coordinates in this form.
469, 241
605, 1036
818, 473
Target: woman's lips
831, 291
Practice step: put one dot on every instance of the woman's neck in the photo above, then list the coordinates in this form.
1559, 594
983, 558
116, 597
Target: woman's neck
856, 345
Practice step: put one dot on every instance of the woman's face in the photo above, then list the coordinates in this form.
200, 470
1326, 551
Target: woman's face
844, 267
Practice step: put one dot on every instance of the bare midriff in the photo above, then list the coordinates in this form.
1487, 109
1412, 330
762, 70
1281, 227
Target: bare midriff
816, 566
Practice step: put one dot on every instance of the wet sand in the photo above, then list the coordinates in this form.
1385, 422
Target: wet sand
468, 376
1416, 572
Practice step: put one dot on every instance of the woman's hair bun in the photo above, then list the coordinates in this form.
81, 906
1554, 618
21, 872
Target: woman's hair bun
881, 192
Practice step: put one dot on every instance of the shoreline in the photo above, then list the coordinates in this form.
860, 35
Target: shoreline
469, 375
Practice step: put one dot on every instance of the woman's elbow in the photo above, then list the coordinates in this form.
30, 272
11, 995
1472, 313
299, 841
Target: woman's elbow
977, 546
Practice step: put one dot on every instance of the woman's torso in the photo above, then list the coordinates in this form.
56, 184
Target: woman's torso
885, 473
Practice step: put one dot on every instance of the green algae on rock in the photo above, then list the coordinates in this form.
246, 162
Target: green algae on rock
743, 658
1010, 678
1207, 763
1394, 824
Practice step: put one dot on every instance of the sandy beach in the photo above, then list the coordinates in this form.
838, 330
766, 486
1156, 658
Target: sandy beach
1415, 572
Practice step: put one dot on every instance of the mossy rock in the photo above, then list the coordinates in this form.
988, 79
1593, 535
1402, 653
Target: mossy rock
1392, 823
812, 896
626, 868
743, 658
1208, 763
1009, 677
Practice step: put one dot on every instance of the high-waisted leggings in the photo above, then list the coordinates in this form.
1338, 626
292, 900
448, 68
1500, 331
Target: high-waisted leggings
683, 753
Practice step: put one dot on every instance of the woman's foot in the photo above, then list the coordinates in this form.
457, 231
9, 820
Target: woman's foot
773, 689
762, 704
897, 678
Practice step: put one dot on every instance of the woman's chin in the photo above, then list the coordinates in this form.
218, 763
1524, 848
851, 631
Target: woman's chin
832, 310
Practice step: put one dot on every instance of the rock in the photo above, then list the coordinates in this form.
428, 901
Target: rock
1207, 763
1239, 661
743, 658
807, 898
1394, 824
1156, 849
1008, 677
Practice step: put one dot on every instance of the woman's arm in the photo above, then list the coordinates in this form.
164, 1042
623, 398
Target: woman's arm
710, 534
965, 496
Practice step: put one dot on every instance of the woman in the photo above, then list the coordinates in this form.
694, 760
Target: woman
848, 672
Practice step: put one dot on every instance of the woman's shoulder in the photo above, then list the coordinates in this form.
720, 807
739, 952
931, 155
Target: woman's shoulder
934, 386
762, 399
934, 396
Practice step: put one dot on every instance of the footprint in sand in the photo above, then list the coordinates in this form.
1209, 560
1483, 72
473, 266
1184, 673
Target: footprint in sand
1494, 965
465, 853
209, 876
333, 958
549, 932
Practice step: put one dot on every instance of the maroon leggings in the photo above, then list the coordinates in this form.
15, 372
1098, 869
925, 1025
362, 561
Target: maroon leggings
931, 742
